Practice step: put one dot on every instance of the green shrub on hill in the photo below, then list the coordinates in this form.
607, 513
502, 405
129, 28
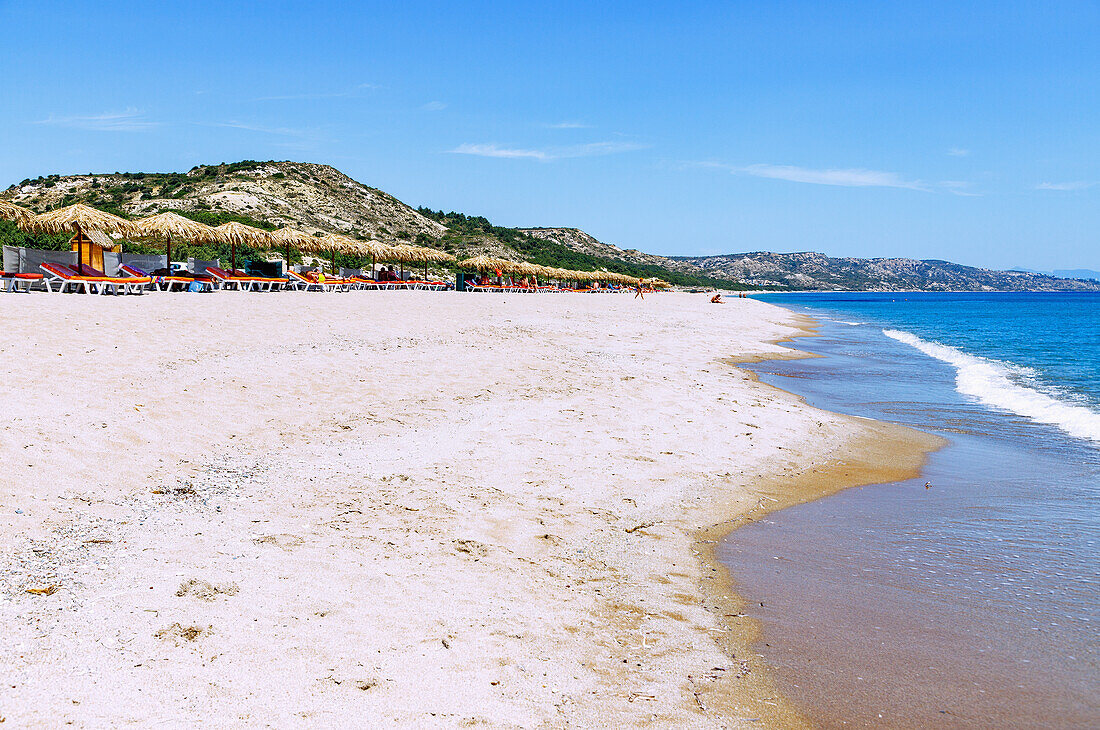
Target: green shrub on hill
12, 235
466, 229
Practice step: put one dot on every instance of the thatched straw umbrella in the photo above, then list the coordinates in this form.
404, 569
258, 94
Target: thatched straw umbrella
375, 249
434, 256
80, 219
235, 233
292, 237
406, 253
313, 244
488, 263
402, 253
166, 226
333, 242
13, 212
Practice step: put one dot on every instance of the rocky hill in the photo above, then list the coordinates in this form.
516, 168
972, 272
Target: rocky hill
581, 242
304, 195
319, 198
816, 271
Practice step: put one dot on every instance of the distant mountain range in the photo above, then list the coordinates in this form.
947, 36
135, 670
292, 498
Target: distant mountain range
1065, 273
816, 271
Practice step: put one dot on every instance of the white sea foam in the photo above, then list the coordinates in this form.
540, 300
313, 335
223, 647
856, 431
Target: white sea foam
996, 384
839, 321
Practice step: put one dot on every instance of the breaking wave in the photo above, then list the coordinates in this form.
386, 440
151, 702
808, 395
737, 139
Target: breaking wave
998, 384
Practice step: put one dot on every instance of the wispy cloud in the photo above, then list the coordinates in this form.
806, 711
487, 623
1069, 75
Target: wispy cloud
492, 150
958, 152
434, 106
546, 154
1072, 185
959, 187
849, 177
852, 177
599, 148
569, 125
286, 131
130, 120
294, 138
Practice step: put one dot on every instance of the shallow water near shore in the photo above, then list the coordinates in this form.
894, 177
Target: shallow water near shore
968, 597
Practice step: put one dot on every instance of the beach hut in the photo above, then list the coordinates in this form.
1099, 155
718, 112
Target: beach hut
83, 221
168, 226
235, 233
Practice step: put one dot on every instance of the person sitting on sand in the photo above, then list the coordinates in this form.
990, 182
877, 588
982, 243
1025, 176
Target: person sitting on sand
716, 299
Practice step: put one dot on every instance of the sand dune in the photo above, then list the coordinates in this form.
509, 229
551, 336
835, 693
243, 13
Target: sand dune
392, 508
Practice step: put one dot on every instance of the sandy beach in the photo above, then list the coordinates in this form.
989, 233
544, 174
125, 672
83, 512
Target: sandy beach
397, 508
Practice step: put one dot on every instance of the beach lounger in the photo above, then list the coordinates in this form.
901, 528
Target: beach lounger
136, 273
301, 282
10, 280
93, 282
363, 282
418, 284
163, 283
242, 281
118, 284
261, 283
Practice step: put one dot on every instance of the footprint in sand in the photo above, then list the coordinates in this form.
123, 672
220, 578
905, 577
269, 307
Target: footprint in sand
359, 684
176, 632
284, 541
205, 591
471, 547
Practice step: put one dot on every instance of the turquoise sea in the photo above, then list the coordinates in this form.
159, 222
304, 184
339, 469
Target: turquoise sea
969, 597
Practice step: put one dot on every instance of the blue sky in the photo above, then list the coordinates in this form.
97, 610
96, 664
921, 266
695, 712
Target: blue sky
968, 131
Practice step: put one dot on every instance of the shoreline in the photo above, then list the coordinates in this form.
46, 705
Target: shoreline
524, 531
883, 453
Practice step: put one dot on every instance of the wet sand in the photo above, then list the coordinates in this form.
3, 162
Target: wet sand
413, 507
959, 599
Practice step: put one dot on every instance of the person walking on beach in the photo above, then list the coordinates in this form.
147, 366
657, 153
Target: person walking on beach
638, 291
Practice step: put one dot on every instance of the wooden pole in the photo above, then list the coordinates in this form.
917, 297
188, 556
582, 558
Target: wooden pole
168, 263
372, 266
79, 249
233, 258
